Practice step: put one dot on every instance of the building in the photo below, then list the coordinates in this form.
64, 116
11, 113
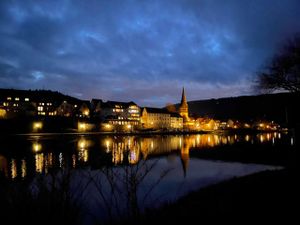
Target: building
155, 118
184, 108
121, 115
36, 103
184, 112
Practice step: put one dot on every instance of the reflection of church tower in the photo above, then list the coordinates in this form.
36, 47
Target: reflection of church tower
185, 156
183, 108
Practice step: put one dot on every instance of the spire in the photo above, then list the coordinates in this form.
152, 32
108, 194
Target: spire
183, 98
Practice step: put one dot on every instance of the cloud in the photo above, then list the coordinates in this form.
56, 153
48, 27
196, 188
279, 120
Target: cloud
141, 50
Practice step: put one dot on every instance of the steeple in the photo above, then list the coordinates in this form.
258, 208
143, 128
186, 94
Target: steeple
183, 98
184, 108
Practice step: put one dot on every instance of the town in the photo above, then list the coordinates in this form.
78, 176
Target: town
43, 109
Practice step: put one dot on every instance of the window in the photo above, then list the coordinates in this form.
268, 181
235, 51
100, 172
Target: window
26, 99
40, 108
17, 99
8, 98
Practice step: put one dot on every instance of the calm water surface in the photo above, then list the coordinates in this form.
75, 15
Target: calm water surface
113, 176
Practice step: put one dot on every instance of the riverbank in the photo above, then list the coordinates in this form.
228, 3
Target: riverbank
266, 196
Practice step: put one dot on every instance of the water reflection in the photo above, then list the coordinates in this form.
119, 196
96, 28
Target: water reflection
39, 162
119, 175
13, 168
83, 146
119, 150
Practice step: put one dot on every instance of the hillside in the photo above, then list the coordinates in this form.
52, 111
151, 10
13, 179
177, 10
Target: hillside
37, 95
281, 107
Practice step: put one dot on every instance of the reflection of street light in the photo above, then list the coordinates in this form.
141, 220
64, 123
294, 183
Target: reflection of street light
37, 126
82, 143
36, 147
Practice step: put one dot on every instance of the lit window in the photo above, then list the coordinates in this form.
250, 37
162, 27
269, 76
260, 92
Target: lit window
5, 104
43, 103
75, 106
26, 99
8, 98
17, 99
40, 108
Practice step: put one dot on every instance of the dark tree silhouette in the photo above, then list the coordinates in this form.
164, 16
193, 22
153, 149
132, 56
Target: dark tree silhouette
283, 71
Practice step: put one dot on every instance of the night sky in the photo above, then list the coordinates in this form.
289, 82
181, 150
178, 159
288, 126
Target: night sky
138, 50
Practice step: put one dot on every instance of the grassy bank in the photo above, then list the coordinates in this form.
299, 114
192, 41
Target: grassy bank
266, 196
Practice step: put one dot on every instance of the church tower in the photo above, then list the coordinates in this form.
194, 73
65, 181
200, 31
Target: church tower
183, 108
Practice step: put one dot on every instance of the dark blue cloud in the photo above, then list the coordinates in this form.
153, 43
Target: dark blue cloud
141, 50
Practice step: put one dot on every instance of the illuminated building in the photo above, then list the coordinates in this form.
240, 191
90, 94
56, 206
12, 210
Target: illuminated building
155, 118
184, 112
183, 108
46, 108
120, 114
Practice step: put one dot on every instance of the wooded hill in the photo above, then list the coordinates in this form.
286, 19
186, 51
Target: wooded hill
281, 108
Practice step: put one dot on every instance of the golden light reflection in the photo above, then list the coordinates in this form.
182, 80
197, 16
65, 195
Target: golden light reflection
39, 162
117, 154
14, 172
131, 149
23, 168
83, 153
121, 147
48, 162
36, 147
261, 138
247, 137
